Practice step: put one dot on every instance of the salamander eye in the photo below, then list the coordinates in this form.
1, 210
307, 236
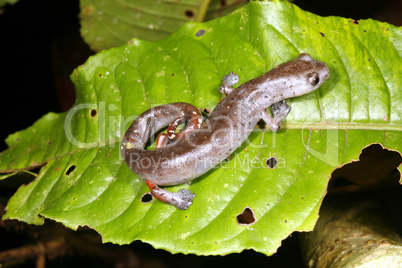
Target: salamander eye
314, 79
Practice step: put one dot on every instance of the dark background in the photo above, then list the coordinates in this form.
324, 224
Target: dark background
39, 47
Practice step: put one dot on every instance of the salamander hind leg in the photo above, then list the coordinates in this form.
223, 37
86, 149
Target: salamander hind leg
182, 199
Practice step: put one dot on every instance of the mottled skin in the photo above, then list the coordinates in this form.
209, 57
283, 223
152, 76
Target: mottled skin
200, 149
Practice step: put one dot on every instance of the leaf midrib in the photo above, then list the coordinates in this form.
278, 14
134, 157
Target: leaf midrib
343, 126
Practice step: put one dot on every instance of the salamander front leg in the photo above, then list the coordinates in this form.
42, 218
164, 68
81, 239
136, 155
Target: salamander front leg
280, 110
182, 199
228, 81
269, 121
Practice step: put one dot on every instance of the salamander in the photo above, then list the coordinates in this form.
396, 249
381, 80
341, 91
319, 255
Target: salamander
184, 156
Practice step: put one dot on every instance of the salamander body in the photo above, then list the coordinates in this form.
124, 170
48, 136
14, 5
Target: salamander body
209, 142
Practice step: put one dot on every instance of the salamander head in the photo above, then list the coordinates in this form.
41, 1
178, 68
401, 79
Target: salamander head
298, 77
316, 72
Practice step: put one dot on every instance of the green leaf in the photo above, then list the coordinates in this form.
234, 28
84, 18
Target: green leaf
107, 24
85, 182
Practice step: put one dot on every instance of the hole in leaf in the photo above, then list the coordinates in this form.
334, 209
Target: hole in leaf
146, 198
200, 33
70, 170
206, 110
189, 13
271, 162
376, 168
93, 112
246, 217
